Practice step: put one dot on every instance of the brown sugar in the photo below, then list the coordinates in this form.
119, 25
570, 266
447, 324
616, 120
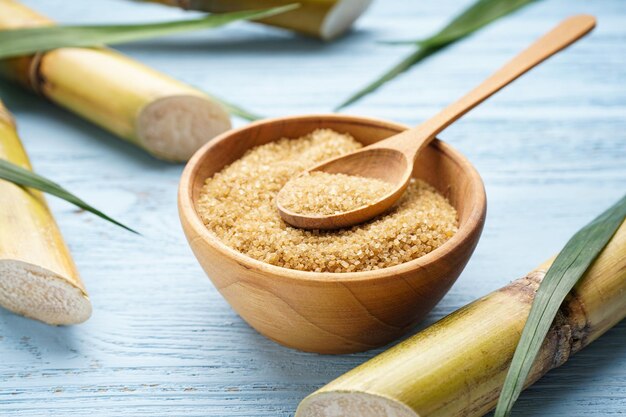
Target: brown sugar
238, 205
322, 193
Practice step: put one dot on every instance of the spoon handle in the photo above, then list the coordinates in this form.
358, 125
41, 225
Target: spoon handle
564, 34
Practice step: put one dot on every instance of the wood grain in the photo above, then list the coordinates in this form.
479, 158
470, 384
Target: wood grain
162, 341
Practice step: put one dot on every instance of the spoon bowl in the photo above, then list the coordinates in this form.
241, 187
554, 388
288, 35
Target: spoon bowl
384, 164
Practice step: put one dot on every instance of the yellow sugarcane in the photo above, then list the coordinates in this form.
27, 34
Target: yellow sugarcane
169, 119
38, 278
457, 366
325, 19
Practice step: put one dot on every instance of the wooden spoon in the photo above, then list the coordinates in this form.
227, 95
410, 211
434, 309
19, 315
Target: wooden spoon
392, 159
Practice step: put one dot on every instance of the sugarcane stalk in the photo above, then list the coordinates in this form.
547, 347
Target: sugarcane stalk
167, 118
457, 366
325, 19
38, 278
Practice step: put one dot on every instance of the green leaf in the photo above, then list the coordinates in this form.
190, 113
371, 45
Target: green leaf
480, 14
21, 176
477, 16
396, 70
27, 41
568, 267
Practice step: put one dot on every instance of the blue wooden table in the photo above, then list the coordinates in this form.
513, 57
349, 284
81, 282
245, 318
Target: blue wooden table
162, 342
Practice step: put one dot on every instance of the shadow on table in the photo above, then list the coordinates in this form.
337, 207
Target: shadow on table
38, 341
301, 373
561, 387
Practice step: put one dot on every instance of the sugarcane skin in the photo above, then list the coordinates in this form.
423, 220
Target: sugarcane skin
99, 84
457, 366
28, 232
65, 76
37, 73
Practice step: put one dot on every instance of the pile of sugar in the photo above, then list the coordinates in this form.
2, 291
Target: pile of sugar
238, 205
322, 193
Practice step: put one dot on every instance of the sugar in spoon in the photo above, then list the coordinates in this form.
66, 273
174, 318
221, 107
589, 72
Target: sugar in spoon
392, 159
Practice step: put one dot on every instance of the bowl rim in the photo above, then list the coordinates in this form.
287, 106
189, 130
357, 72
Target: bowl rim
187, 209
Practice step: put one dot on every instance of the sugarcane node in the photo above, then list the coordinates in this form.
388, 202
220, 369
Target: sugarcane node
167, 118
525, 287
457, 366
36, 77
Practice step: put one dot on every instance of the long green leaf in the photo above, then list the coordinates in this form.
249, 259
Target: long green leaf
568, 267
27, 41
480, 14
20, 176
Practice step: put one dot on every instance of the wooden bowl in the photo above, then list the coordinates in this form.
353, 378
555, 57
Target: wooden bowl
333, 312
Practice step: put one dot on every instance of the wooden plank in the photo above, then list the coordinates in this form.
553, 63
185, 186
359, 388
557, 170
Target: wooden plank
551, 149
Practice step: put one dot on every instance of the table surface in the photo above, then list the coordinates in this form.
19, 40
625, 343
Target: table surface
162, 341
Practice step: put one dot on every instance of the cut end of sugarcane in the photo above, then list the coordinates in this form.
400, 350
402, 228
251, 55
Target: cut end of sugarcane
37, 293
351, 404
174, 127
341, 17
